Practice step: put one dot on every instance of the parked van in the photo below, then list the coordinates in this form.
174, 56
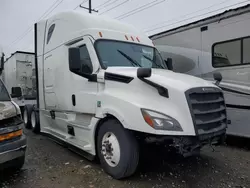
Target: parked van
12, 139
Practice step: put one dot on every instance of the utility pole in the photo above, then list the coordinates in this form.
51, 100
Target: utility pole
89, 8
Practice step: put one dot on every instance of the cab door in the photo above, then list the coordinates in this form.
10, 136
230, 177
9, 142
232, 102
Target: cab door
83, 97
85, 91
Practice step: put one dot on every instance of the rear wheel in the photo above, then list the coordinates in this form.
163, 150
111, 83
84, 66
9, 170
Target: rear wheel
27, 116
117, 149
35, 126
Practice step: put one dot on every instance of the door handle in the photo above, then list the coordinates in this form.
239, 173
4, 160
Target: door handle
73, 98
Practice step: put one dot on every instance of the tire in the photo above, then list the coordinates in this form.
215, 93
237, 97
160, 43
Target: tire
18, 163
128, 147
35, 124
27, 115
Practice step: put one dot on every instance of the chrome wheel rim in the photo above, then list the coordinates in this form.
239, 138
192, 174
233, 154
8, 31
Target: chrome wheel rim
111, 149
25, 116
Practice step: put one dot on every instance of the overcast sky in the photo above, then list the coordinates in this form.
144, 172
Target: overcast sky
152, 16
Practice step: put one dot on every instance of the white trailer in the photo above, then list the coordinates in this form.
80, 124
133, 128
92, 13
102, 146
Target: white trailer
103, 88
19, 72
220, 43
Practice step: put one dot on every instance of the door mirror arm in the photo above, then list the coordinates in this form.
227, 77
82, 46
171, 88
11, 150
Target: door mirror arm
169, 63
90, 77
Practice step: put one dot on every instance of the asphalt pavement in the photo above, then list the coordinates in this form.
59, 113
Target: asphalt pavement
49, 165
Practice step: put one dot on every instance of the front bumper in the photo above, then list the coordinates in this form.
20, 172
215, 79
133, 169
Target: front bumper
187, 145
12, 149
190, 145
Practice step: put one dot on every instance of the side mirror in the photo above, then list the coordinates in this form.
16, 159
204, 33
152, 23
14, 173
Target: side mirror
169, 63
144, 72
217, 77
74, 60
16, 92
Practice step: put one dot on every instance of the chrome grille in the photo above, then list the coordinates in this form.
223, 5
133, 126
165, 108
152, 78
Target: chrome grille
208, 108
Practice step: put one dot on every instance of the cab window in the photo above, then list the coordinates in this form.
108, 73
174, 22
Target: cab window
50, 32
86, 64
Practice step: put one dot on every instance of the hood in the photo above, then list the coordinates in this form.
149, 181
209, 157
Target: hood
7, 110
165, 78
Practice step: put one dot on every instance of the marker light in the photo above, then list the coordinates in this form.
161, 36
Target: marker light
8, 136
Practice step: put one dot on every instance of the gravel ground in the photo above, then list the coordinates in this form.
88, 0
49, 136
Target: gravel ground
49, 165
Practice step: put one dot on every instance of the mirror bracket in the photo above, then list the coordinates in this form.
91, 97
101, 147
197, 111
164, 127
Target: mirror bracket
169, 63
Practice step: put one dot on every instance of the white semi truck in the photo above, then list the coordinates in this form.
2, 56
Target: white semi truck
102, 86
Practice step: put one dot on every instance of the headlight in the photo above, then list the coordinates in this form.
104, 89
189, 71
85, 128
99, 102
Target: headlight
160, 121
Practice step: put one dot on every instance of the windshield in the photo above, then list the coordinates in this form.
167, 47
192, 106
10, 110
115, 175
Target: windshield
116, 53
4, 96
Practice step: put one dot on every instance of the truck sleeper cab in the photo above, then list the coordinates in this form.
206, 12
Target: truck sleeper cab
102, 84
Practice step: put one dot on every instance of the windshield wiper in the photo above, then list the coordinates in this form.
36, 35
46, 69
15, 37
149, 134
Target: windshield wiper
134, 62
158, 65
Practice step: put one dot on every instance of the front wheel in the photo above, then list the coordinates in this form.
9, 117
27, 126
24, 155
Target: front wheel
118, 149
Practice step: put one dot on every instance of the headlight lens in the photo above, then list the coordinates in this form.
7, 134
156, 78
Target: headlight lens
160, 121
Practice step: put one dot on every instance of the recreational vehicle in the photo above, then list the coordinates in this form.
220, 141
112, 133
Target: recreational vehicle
220, 43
